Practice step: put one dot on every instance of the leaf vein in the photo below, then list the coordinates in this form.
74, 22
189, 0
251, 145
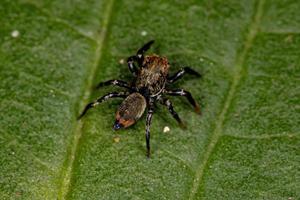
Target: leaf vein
68, 167
238, 68
262, 137
179, 159
60, 21
30, 77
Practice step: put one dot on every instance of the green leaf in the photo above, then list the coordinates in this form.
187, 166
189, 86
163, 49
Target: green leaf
245, 145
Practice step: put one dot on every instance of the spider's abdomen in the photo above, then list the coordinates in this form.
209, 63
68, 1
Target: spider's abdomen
131, 109
153, 74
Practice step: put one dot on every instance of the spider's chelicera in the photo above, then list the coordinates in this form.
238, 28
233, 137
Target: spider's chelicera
151, 83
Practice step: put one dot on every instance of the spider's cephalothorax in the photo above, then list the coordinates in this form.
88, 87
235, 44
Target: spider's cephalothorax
152, 76
150, 85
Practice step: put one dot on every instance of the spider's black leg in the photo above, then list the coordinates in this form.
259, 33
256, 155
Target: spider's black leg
148, 123
114, 82
139, 57
143, 49
168, 103
131, 65
102, 99
181, 72
181, 92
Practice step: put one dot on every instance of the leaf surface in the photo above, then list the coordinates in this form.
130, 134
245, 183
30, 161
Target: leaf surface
245, 145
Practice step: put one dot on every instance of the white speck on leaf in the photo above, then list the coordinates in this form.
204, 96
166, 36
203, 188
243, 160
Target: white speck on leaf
15, 34
166, 129
117, 139
89, 33
144, 33
122, 61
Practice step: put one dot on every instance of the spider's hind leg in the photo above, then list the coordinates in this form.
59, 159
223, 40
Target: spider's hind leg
168, 103
181, 92
119, 83
148, 124
102, 99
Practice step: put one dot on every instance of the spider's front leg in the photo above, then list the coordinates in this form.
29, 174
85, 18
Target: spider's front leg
143, 49
181, 72
102, 99
130, 62
148, 124
139, 58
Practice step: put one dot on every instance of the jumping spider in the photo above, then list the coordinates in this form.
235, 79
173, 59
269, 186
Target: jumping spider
150, 84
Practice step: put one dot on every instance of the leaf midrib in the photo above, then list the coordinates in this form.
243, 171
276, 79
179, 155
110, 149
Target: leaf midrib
238, 69
65, 182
